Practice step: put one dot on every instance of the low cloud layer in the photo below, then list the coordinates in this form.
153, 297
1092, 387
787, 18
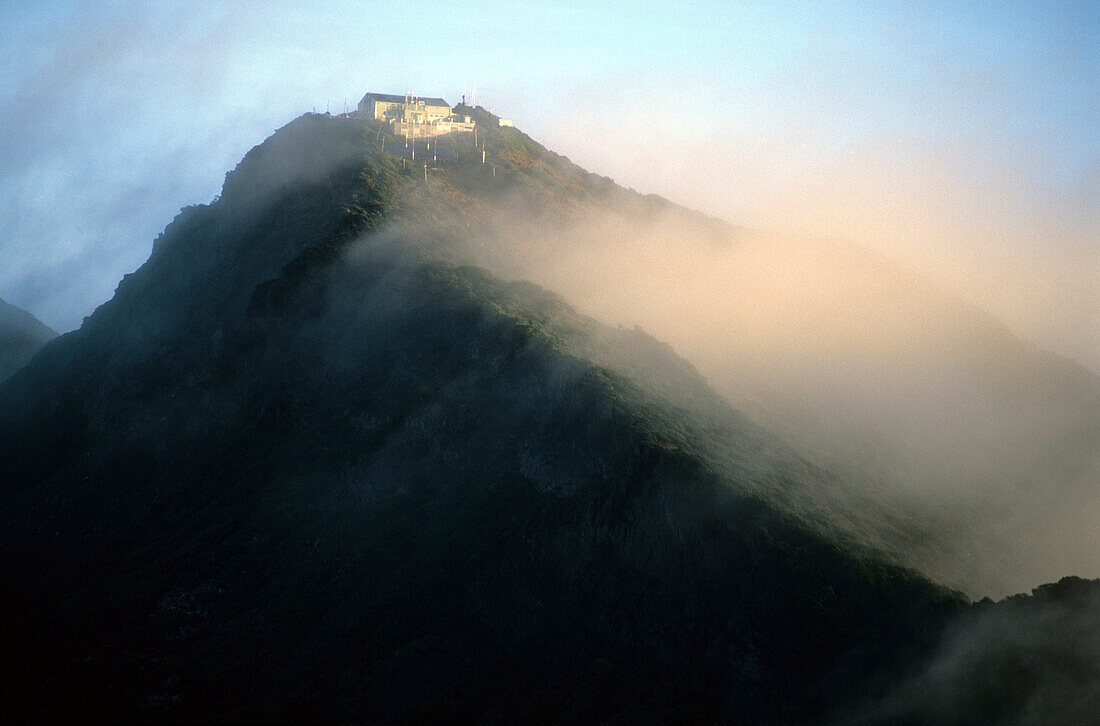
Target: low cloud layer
1028, 661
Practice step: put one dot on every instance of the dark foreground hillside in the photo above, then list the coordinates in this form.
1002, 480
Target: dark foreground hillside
300, 469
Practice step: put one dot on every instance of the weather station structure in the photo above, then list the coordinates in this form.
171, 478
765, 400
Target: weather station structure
414, 116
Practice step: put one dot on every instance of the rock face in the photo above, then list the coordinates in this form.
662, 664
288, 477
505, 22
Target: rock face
303, 467
21, 336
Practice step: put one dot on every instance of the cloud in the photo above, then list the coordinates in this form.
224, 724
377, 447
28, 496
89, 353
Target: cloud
943, 175
116, 117
950, 141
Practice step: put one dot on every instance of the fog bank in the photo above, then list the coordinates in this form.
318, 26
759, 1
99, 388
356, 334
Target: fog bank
990, 442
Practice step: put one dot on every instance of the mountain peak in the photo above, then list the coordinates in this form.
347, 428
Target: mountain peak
303, 426
315, 436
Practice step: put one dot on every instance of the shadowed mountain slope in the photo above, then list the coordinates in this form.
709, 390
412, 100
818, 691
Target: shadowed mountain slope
21, 336
303, 467
286, 475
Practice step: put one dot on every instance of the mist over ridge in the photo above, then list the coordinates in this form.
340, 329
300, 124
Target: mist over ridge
301, 428
959, 141
953, 194
21, 336
307, 406
750, 373
991, 443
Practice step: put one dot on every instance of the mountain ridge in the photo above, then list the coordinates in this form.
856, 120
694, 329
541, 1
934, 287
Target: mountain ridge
254, 412
308, 466
885, 379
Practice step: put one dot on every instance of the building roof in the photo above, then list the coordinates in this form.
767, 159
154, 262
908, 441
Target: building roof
392, 98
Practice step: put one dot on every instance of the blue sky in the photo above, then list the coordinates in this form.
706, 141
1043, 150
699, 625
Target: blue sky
961, 137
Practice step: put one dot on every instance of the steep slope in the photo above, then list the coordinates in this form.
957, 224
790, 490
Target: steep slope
985, 444
297, 469
21, 336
